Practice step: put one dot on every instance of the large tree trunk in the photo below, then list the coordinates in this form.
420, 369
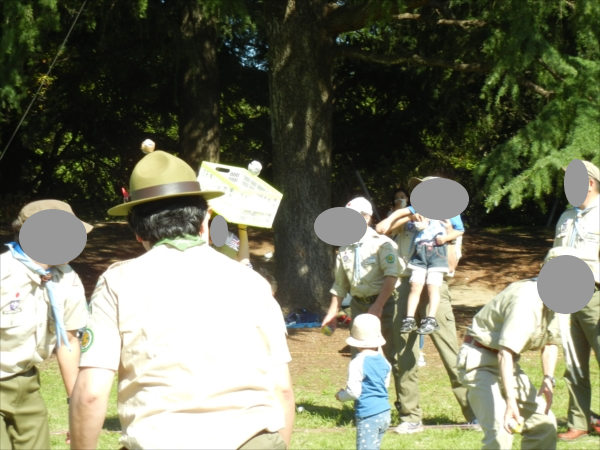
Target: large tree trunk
300, 59
198, 92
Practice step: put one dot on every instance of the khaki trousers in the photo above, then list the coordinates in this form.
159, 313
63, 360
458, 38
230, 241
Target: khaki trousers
23, 414
585, 331
479, 371
387, 330
407, 346
265, 441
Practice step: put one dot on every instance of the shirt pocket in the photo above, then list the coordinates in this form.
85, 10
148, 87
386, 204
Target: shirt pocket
12, 318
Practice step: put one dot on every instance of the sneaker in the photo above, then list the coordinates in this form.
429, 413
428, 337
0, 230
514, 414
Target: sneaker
422, 362
474, 424
428, 326
409, 324
409, 428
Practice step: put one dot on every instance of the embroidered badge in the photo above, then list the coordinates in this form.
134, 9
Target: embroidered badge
390, 258
87, 338
345, 258
14, 304
410, 226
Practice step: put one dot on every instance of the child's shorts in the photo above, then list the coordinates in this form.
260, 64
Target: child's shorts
430, 257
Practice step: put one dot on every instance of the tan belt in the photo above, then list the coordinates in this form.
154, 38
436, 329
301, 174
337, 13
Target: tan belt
471, 340
367, 300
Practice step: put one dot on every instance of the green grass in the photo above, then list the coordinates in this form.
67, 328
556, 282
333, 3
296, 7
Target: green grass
327, 424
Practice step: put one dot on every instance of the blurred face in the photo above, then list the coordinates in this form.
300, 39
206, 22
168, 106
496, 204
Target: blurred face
400, 200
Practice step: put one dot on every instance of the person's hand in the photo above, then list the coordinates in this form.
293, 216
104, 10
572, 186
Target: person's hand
548, 391
440, 240
512, 412
330, 320
416, 217
376, 310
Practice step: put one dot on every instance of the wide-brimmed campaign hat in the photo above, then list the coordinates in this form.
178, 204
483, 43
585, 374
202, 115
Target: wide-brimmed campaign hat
366, 332
414, 182
43, 205
161, 175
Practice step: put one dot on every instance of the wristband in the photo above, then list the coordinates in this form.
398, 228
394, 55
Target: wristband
552, 380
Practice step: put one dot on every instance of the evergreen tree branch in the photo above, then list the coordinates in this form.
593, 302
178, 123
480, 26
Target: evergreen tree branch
355, 53
460, 23
535, 88
345, 18
556, 76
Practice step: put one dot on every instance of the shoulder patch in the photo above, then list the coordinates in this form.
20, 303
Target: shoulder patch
87, 338
390, 258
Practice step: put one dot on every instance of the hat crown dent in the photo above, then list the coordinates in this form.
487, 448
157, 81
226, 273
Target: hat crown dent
158, 168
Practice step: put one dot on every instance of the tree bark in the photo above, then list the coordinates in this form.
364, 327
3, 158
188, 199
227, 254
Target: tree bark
199, 92
300, 78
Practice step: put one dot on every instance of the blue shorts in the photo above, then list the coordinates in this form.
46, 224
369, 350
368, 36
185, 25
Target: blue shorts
430, 257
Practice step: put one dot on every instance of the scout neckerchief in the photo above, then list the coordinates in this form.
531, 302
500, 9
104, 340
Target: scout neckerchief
580, 214
46, 275
357, 273
182, 243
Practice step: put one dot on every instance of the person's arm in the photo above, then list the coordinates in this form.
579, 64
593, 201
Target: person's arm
88, 406
389, 284
285, 394
549, 357
244, 252
506, 363
354, 383
396, 220
68, 361
334, 308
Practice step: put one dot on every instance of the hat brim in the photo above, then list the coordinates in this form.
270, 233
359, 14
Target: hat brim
414, 182
123, 209
373, 343
87, 226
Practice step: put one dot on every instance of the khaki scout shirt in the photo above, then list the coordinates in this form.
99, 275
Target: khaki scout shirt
194, 337
583, 234
27, 332
516, 318
378, 259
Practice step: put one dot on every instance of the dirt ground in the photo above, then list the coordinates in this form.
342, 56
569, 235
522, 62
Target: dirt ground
491, 260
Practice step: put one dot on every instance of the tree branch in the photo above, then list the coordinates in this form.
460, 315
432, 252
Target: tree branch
556, 76
342, 19
355, 53
535, 88
389, 60
460, 23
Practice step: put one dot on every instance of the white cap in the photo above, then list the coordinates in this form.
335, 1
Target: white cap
362, 205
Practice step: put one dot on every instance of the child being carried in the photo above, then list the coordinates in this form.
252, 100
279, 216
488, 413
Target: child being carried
429, 263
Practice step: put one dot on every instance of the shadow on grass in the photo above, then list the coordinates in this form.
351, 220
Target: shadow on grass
341, 417
112, 424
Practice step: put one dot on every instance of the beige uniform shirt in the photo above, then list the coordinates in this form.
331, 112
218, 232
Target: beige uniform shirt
581, 230
378, 259
516, 318
194, 337
27, 332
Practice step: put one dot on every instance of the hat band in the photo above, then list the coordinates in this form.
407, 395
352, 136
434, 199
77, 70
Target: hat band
163, 190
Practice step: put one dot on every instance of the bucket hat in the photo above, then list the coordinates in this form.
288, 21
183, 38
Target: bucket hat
414, 181
42, 205
161, 175
592, 170
366, 332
